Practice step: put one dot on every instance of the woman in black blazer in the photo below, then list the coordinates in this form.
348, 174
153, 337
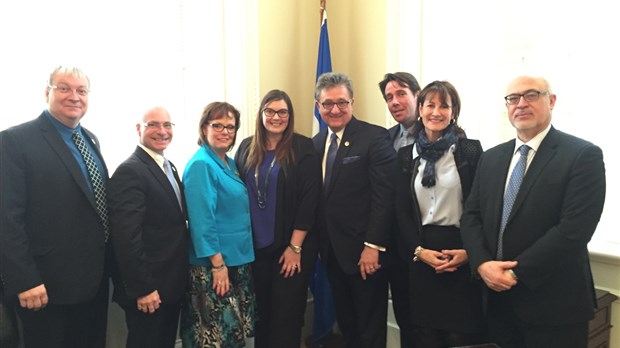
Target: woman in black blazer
436, 173
283, 174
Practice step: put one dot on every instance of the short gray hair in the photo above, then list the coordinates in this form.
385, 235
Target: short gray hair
332, 79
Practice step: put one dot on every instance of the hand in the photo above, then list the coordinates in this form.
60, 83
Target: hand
496, 276
455, 257
221, 283
369, 262
149, 303
35, 298
433, 258
291, 262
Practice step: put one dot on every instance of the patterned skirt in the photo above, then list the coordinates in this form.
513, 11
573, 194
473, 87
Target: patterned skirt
211, 321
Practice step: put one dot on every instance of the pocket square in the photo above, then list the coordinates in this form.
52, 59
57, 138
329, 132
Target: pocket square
351, 159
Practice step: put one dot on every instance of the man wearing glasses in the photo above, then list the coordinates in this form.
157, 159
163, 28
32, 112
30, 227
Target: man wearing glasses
149, 235
354, 216
534, 205
54, 220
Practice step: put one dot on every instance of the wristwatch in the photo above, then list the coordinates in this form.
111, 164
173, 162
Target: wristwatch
296, 249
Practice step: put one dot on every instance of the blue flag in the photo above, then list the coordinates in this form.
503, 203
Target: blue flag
324, 315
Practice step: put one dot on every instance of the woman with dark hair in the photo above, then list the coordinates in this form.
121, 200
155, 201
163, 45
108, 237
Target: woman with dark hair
436, 174
220, 306
283, 175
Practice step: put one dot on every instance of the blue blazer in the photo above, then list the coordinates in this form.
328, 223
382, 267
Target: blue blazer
218, 210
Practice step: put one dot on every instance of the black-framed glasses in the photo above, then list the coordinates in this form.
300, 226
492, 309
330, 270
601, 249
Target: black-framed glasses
157, 125
342, 104
64, 89
218, 127
283, 113
530, 96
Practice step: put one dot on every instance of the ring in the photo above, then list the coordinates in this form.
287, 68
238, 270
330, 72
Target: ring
372, 268
294, 266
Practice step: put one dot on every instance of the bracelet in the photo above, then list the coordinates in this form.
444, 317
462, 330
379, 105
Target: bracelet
218, 268
416, 253
296, 249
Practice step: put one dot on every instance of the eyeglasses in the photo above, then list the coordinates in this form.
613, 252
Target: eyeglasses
531, 95
157, 125
218, 127
342, 104
283, 113
64, 89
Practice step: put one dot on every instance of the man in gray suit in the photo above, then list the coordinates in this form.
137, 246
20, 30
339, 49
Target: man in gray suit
400, 91
535, 203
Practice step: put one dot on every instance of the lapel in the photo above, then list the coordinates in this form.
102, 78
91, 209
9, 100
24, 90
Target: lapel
51, 136
159, 174
232, 172
546, 151
496, 176
348, 139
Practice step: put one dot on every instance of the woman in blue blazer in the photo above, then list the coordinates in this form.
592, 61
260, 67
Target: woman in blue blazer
220, 305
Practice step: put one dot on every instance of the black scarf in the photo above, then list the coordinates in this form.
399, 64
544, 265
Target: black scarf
432, 151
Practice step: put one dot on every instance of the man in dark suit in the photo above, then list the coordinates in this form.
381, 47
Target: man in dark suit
400, 91
535, 264
149, 235
354, 216
54, 220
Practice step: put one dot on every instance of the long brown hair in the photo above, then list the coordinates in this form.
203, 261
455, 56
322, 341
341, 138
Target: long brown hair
258, 146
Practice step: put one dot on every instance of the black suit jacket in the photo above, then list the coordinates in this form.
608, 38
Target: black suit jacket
394, 132
51, 232
298, 192
358, 205
409, 232
553, 218
148, 231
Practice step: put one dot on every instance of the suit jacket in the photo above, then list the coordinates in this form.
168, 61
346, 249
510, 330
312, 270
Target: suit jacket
358, 205
466, 155
218, 209
51, 232
394, 132
148, 231
553, 218
298, 192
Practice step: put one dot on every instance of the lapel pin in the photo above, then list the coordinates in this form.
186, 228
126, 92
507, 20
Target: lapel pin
346, 143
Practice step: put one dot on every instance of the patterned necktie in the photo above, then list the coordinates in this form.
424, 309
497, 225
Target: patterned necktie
95, 179
511, 194
173, 181
329, 161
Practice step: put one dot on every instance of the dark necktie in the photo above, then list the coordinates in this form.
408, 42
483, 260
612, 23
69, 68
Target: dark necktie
173, 181
329, 161
95, 179
511, 194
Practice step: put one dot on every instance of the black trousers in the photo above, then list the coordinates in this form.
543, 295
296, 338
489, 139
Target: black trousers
509, 331
398, 278
157, 330
67, 326
361, 306
281, 302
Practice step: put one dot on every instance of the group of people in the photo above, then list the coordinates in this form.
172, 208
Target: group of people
474, 246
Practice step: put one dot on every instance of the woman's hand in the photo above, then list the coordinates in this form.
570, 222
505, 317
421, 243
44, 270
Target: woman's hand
455, 257
221, 283
432, 258
291, 262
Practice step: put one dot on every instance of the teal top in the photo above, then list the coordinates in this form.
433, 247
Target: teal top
218, 210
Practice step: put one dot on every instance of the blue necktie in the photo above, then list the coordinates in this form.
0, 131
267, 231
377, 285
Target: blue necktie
511, 194
329, 161
173, 181
95, 179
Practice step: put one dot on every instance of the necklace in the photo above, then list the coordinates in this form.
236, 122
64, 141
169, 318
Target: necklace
261, 194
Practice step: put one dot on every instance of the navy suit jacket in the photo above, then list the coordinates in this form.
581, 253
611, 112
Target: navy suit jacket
358, 205
553, 218
51, 232
148, 231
